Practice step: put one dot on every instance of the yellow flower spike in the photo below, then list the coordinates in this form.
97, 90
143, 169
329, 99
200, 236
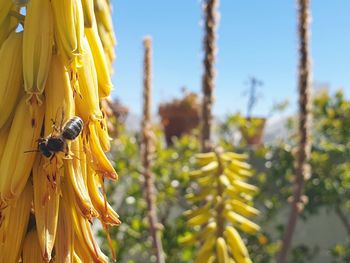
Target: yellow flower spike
64, 243
59, 96
31, 248
222, 198
98, 6
206, 250
69, 28
100, 60
222, 251
241, 222
196, 211
5, 29
82, 231
97, 157
236, 245
77, 259
244, 209
207, 181
56, 66
200, 219
81, 252
106, 212
11, 77
17, 161
87, 104
108, 45
193, 239
78, 187
103, 14
46, 204
16, 226
244, 187
210, 168
4, 221
5, 7
113, 38
37, 46
61, 76
84, 236
89, 14
73, 75
205, 158
102, 132
9, 23
4, 133
234, 156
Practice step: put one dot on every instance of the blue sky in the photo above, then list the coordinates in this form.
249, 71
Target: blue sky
256, 38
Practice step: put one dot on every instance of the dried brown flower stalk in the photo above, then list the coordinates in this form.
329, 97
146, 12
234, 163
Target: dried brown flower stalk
303, 168
147, 152
211, 18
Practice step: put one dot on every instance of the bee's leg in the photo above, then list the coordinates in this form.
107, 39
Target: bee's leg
67, 149
52, 156
67, 153
54, 126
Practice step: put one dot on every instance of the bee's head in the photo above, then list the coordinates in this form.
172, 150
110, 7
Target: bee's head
42, 146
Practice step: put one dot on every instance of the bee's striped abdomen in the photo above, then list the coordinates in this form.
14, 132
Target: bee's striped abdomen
72, 128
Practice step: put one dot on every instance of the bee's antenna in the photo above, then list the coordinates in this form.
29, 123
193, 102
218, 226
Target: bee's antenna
32, 151
54, 125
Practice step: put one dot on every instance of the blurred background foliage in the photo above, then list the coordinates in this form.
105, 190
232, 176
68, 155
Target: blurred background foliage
328, 188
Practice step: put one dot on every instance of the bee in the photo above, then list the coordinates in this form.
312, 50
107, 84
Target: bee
57, 141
